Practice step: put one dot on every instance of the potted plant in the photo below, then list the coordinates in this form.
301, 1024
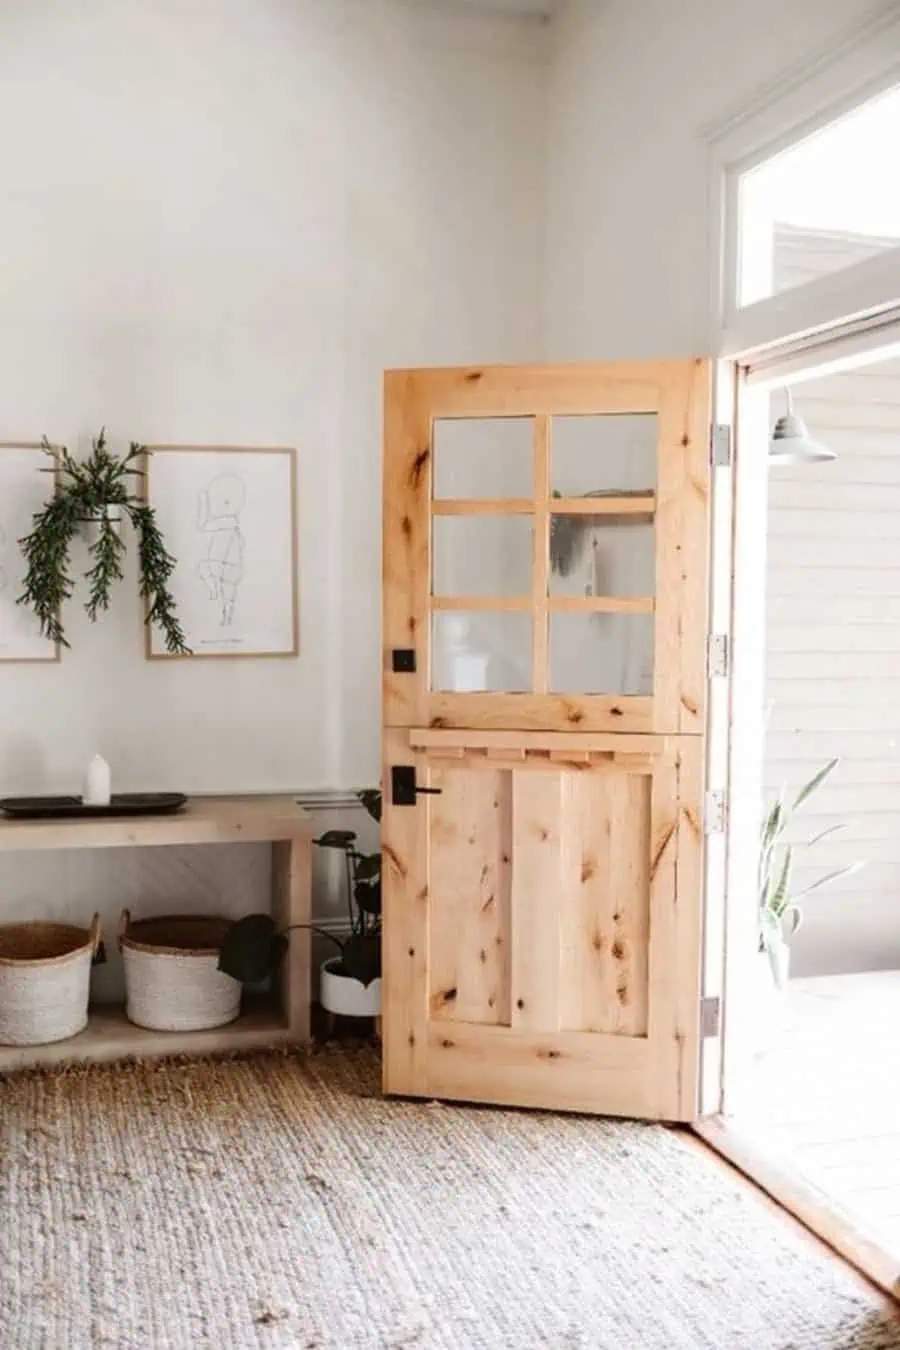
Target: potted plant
94, 496
780, 914
351, 981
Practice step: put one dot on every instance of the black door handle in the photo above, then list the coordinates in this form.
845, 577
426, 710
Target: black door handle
404, 789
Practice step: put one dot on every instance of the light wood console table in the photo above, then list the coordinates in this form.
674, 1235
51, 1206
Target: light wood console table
204, 820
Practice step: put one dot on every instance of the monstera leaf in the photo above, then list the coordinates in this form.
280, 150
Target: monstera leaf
252, 949
340, 839
362, 958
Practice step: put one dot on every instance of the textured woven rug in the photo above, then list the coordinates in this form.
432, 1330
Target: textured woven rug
279, 1202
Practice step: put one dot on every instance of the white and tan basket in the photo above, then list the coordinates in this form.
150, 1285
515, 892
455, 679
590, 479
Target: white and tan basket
172, 980
45, 977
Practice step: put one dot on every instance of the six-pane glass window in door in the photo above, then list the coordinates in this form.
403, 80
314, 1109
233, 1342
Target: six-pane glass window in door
600, 568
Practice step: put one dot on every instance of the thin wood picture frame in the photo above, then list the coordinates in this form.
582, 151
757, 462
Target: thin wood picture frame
43, 650
219, 565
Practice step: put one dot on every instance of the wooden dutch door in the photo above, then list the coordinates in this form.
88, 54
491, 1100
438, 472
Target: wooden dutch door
545, 591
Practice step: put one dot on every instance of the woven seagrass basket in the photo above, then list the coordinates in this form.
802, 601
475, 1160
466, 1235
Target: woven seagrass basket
172, 980
45, 976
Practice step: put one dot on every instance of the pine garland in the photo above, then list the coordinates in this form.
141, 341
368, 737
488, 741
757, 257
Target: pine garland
84, 490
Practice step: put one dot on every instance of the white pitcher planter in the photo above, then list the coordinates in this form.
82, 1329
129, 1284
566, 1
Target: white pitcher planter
348, 997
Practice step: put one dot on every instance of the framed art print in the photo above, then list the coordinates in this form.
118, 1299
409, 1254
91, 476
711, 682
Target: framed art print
228, 516
24, 489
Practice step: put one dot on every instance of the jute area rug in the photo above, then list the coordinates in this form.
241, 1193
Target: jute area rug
278, 1201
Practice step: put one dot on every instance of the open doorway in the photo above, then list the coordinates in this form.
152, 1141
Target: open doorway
815, 1085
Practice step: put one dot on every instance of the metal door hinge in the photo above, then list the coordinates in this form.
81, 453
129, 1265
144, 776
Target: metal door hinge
404, 789
715, 812
717, 655
710, 1017
720, 445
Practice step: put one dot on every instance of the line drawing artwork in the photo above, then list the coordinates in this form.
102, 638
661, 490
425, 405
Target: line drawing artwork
230, 514
221, 568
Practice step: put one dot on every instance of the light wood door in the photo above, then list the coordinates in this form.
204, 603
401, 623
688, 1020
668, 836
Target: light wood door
545, 618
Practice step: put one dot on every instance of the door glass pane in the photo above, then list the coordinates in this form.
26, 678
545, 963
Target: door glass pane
482, 555
601, 653
822, 205
610, 454
483, 457
591, 556
474, 653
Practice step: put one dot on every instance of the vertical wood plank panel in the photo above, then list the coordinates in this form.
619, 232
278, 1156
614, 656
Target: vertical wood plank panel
663, 945
586, 922
681, 547
629, 900
469, 938
605, 928
688, 964
404, 848
694, 601
406, 566
541, 567
538, 877
667, 536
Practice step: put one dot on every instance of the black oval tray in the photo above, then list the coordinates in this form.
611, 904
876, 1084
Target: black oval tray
121, 804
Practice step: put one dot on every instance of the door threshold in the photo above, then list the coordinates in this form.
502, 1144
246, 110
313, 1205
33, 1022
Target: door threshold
804, 1200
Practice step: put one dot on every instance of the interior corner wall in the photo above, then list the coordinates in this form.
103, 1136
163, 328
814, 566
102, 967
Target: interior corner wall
635, 88
219, 224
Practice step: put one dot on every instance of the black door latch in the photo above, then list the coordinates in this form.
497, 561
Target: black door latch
403, 660
403, 786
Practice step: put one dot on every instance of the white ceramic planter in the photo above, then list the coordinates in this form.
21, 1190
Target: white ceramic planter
770, 980
347, 997
90, 526
780, 965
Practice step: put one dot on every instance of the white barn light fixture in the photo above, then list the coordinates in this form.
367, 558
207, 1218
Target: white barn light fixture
791, 442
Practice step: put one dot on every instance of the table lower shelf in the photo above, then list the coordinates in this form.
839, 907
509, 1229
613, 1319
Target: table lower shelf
109, 1036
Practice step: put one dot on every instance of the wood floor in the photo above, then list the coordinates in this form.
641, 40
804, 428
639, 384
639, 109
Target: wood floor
826, 1097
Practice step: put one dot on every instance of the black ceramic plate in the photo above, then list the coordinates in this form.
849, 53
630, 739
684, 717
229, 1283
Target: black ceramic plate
121, 804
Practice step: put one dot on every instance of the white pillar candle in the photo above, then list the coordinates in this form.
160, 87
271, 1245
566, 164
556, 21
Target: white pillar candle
97, 783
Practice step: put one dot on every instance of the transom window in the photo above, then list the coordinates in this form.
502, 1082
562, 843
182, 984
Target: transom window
823, 205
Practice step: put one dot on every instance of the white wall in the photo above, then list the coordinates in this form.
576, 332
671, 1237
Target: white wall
635, 90
220, 223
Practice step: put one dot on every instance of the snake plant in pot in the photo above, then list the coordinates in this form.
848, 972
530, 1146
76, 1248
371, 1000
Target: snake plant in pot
254, 947
780, 912
93, 497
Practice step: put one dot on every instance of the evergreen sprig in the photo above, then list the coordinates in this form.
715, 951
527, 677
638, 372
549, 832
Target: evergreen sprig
84, 491
156, 567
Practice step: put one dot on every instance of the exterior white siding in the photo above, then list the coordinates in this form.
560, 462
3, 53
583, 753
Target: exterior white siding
833, 662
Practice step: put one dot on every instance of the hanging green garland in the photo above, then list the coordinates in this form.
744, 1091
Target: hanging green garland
95, 490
